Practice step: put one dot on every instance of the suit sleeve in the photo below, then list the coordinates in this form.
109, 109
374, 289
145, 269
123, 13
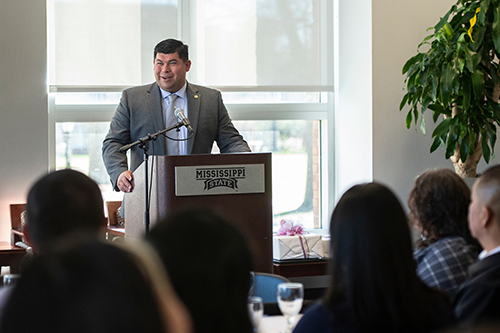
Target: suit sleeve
229, 139
118, 136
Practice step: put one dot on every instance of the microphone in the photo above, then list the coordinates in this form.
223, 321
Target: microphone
182, 118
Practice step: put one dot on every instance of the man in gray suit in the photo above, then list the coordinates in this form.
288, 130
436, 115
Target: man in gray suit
148, 109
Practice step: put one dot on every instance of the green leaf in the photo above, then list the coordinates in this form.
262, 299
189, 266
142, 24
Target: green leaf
461, 40
444, 19
492, 135
443, 128
439, 108
408, 119
484, 8
472, 143
426, 39
435, 116
496, 28
464, 148
422, 124
434, 87
494, 74
446, 83
435, 144
495, 109
478, 83
460, 65
423, 78
412, 61
466, 91
448, 29
452, 139
452, 143
486, 149
425, 103
469, 60
403, 101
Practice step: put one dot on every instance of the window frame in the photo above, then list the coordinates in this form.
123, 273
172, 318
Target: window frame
322, 111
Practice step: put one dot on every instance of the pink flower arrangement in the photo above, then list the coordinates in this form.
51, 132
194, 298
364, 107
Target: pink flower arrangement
288, 229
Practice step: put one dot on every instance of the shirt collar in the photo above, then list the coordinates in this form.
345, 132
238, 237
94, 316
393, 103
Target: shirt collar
485, 253
180, 93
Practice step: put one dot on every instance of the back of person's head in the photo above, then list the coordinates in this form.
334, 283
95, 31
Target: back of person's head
373, 270
489, 184
90, 287
170, 45
64, 203
438, 205
209, 264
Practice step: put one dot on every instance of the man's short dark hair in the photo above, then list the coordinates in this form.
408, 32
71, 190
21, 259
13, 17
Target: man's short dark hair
62, 203
169, 46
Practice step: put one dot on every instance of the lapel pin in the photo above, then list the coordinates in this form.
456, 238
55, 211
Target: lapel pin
196, 96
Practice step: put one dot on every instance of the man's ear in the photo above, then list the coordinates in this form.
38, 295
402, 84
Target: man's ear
486, 217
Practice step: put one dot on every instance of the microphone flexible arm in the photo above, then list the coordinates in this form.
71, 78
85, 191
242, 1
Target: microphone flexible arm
151, 137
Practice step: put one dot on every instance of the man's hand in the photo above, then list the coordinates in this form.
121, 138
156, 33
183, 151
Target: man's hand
125, 182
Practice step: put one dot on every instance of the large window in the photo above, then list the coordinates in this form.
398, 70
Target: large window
272, 59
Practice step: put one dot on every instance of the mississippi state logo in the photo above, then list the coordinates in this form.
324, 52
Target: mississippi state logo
220, 177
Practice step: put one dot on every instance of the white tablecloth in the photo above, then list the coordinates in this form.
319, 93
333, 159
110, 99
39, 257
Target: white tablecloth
274, 324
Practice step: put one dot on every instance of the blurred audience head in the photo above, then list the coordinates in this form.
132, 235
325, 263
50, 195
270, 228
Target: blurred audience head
484, 210
209, 264
438, 206
64, 203
373, 270
92, 287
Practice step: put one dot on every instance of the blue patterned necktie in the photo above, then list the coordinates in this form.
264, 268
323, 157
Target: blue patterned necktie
171, 120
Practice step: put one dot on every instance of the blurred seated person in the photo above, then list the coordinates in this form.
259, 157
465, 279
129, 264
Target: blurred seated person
439, 203
93, 287
374, 286
478, 300
209, 264
63, 204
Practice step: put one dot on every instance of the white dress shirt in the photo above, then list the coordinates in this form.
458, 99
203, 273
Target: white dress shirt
485, 253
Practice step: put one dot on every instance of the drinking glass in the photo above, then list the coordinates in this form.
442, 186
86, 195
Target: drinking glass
252, 283
290, 298
256, 311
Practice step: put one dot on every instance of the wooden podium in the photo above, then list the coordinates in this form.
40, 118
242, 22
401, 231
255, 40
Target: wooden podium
238, 186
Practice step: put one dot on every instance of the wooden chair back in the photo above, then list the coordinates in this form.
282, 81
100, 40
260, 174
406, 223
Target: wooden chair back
16, 234
112, 206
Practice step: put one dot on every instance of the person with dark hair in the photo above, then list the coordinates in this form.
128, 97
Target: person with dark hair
62, 204
439, 203
150, 108
209, 264
478, 300
94, 287
373, 284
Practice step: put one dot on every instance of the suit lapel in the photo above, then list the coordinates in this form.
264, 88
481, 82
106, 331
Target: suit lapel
153, 97
194, 99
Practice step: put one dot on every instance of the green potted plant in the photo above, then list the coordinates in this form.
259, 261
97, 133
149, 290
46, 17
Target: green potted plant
457, 77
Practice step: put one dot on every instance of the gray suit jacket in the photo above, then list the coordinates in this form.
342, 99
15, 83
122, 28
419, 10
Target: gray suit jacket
140, 113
